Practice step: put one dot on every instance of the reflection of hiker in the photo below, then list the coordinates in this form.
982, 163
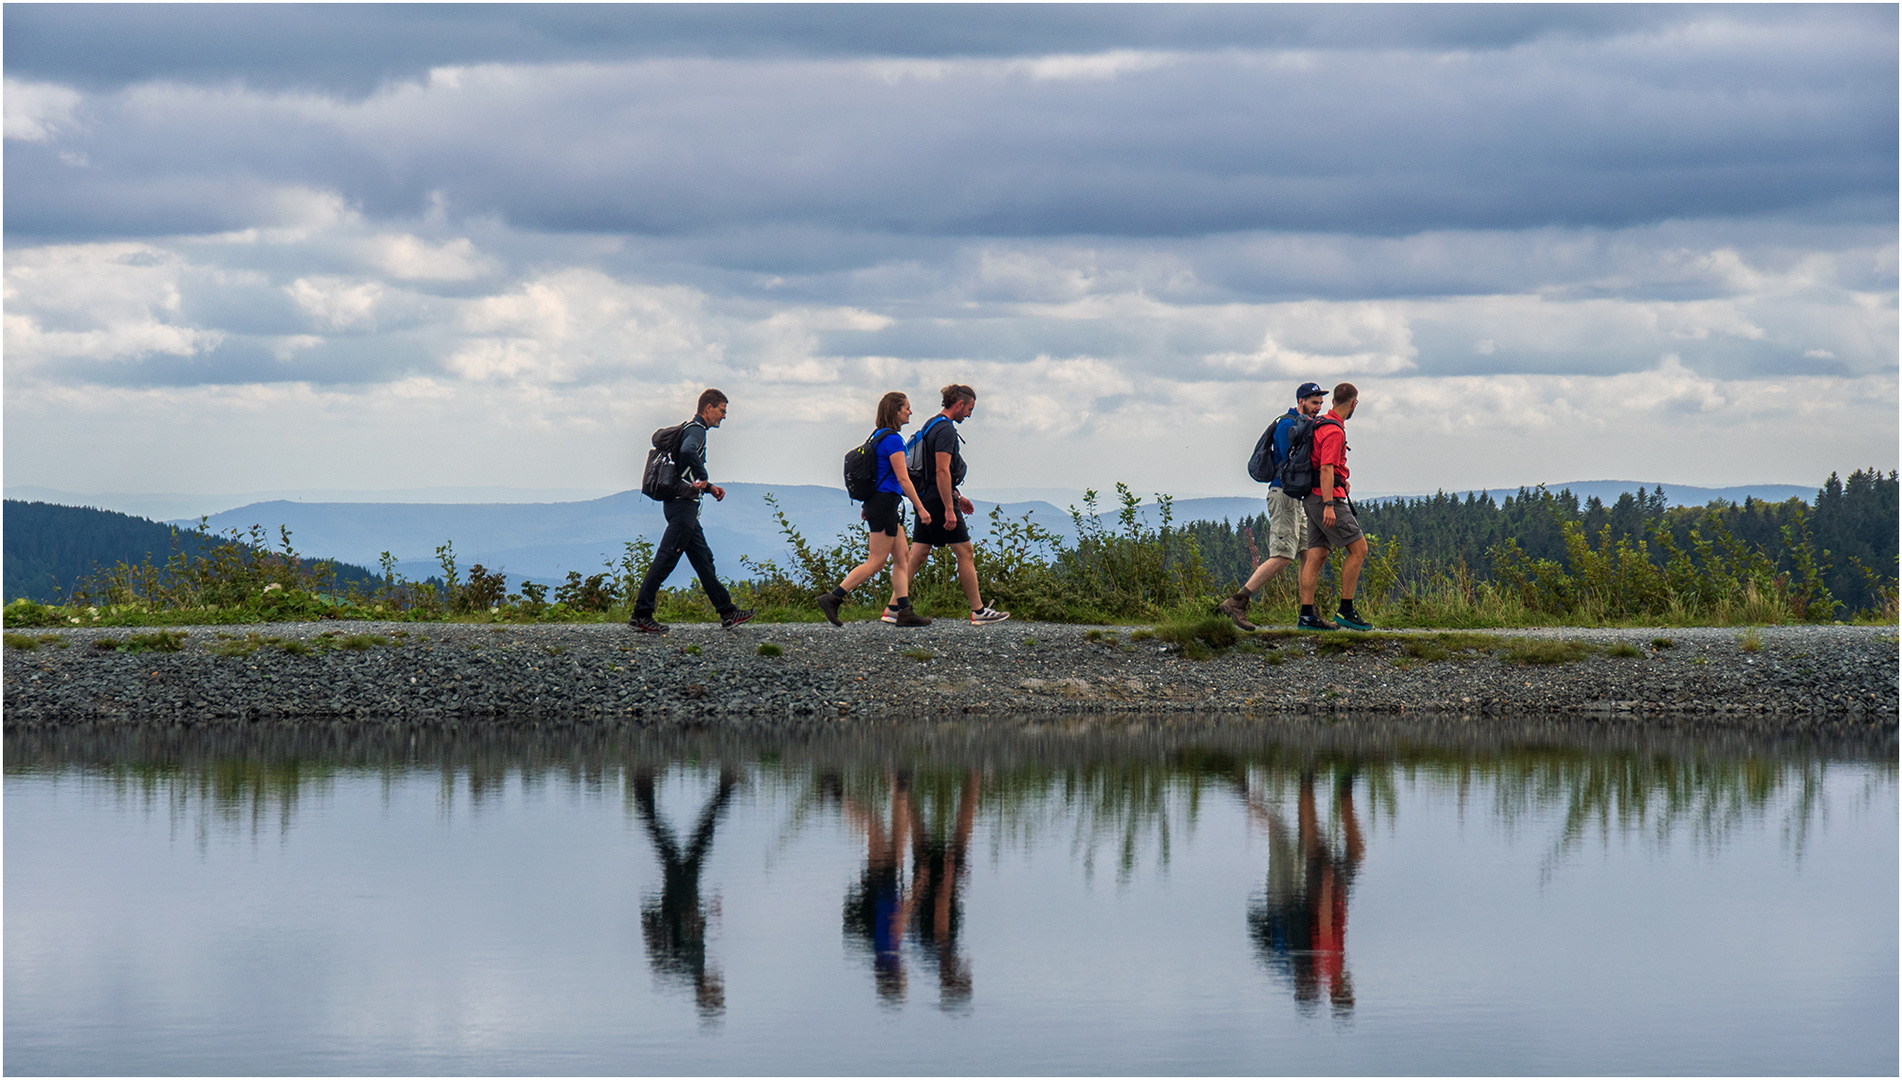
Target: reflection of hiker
1300, 923
938, 468
1331, 522
885, 518
885, 903
683, 535
674, 923
1287, 523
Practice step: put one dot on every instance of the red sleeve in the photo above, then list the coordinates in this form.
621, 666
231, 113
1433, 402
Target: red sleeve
1330, 446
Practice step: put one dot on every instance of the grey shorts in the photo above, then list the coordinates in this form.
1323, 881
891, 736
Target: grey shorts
1287, 526
1346, 530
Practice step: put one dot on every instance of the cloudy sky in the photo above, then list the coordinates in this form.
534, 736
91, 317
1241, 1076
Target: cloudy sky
381, 247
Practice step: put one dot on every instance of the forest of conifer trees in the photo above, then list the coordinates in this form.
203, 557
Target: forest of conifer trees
1851, 527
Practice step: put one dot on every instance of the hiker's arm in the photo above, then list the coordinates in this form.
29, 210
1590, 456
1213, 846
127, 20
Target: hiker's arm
1327, 496
946, 492
903, 473
692, 457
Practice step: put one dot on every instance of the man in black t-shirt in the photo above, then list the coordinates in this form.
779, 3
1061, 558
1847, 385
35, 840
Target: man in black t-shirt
937, 470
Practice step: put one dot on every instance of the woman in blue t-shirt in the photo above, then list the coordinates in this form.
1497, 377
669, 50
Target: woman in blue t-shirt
886, 520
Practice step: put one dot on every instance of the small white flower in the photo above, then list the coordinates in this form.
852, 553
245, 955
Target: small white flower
74, 620
271, 586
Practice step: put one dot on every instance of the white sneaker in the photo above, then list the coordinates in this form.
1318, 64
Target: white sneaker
988, 614
890, 616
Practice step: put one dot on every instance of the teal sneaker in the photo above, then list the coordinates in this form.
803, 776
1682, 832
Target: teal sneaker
1351, 622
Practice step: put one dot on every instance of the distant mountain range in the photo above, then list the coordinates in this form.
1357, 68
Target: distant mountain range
543, 541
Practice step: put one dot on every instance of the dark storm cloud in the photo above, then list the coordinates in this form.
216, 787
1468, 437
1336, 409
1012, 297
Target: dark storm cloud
354, 48
1713, 117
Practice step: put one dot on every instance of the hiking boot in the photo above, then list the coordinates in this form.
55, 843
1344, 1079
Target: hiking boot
906, 616
1351, 622
1314, 622
735, 617
1236, 608
988, 614
645, 624
829, 607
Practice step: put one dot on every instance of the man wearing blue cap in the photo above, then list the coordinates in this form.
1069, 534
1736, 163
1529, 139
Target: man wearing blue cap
1287, 523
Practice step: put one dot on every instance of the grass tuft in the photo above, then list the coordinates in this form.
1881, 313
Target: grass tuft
1663, 643
1625, 650
21, 641
1545, 651
920, 655
767, 648
1752, 640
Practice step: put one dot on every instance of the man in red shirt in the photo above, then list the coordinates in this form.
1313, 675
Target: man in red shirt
1331, 524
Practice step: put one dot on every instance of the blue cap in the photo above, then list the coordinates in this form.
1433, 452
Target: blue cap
1308, 390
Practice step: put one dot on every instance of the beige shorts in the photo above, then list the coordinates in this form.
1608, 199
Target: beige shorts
1287, 526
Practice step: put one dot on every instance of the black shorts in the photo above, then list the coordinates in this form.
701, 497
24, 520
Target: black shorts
936, 535
884, 512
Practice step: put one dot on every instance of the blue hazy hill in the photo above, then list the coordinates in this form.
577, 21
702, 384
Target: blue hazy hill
544, 541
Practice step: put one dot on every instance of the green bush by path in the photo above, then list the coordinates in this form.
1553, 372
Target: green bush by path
1674, 570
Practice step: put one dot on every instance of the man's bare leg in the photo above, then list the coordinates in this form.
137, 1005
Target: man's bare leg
1350, 567
967, 573
1265, 571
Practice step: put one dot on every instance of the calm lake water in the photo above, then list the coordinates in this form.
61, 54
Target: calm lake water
1001, 897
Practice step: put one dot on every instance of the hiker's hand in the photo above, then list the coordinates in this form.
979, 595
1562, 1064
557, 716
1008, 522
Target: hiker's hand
718, 492
924, 516
1327, 515
950, 518
964, 505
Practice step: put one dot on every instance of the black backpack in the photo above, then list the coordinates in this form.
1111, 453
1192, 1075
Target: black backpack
861, 468
1262, 466
660, 480
1298, 474
921, 470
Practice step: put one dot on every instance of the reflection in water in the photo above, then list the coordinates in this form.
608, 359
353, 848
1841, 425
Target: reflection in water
1299, 922
674, 921
886, 903
912, 794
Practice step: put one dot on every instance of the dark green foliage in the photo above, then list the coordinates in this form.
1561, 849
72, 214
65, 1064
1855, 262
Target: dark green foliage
1632, 558
50, 548
593, 594
767, 648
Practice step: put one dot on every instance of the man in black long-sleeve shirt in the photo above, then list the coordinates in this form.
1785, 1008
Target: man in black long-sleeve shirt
683, 526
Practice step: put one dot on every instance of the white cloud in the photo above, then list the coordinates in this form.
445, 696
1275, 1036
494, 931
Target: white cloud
337, 303
1315, 336
413, 259
38, 112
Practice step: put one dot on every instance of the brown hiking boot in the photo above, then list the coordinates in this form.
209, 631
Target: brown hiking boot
907, 616
829, 607
1235, 607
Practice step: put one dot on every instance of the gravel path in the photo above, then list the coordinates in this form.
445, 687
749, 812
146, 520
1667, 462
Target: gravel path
1800, 677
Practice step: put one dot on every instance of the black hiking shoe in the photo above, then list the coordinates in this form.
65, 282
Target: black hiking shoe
735, 617
645, 624
906, 616
829, 607
1314, 622
1236, 608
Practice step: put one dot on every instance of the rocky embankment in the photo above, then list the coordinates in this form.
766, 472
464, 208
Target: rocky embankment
1781, 676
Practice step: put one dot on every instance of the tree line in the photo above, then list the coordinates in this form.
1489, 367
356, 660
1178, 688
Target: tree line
1847, 537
